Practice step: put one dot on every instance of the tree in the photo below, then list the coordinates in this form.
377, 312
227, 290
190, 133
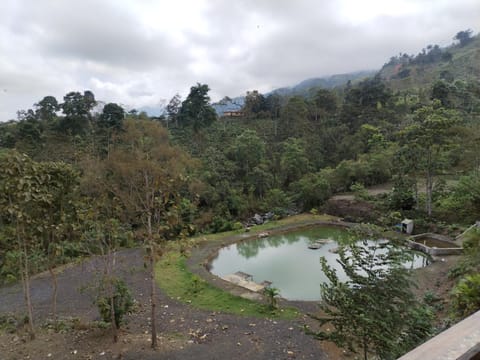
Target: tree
294, 118
254, 103
56, 216
46, 109
294, 161
431, 137
76, 108
442, 91
111, 117
23, 194
464, 37
247, 151
374, 311
150, 176
311, 190
173, 108
109, 124
324, 103
196, 110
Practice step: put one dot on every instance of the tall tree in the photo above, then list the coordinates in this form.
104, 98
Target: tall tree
173, 108
46, 109
431, 137
150, 176
76, 108
254, 103
23, 194
464, 37
196, 110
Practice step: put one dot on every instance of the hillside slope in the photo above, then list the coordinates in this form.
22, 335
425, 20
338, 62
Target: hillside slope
451, 63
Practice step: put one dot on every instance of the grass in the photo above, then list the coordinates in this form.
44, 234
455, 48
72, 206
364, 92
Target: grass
179, 283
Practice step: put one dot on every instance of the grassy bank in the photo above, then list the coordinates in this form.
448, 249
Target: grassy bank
179, 283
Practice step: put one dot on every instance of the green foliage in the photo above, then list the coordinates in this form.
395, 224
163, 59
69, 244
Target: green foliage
466, 296
359, 191
294, 161
311, 190
179, 283
277, 201
402, 196
470, 263
373, 310
271, 294
195, 110
111, 117
122, 302
464, 37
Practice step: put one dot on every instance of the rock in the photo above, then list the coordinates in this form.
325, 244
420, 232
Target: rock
269, 215
257, 219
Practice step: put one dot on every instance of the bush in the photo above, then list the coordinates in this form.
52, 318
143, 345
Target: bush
122, 303
311, 190
402, 196
359, 191
277, 201
466, 296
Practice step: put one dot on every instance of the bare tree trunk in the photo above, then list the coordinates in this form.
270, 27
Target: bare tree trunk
53, 276
152, 283
112, 312
109, 278
153, 300
429, 190
26, 287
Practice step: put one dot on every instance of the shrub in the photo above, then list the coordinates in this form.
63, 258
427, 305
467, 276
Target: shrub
122, 303
466, 296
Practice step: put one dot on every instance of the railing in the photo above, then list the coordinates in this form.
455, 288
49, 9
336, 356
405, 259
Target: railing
460, 342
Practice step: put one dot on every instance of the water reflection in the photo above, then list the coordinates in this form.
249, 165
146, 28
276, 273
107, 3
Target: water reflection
286, 260
251, 248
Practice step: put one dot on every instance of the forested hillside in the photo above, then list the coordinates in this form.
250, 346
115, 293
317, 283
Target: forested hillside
284, 154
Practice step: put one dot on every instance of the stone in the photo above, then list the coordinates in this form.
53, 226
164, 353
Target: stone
257, 219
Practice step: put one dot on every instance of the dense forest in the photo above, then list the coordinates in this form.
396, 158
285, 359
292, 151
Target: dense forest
77, 177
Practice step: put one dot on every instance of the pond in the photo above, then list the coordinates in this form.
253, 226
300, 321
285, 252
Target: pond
287, 262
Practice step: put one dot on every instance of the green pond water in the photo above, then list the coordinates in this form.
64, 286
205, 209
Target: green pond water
287, 262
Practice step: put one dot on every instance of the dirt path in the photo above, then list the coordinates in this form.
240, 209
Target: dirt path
185, 333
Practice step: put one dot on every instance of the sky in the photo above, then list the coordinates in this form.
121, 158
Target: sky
142, 52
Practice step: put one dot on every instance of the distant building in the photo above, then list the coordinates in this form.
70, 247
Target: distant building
233, 113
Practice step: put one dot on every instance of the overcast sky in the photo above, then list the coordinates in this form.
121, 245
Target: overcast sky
140, 52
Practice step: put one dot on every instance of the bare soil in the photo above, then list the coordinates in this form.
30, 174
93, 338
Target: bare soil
184, 332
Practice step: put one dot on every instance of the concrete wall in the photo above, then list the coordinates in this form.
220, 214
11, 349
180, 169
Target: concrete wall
452, 344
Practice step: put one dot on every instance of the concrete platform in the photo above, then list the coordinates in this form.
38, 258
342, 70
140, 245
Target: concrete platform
244, 282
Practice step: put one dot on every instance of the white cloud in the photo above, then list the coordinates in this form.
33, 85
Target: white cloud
137, 52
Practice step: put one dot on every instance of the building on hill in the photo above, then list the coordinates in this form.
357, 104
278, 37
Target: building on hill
233, 113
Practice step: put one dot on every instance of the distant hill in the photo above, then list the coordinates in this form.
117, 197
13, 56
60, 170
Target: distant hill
303, 88
327, 82
451, 63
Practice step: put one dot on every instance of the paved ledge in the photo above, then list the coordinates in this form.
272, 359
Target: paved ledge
458, 342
